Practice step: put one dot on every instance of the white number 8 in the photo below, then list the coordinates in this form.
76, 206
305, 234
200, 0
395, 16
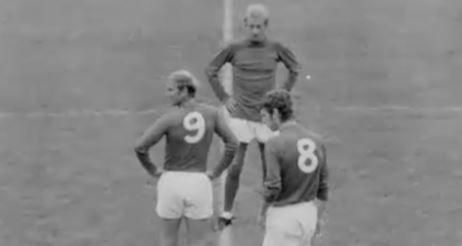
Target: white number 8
306, 148
194, 121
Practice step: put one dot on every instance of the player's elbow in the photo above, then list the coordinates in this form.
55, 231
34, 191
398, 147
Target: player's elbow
271, 194
139, 149
294, 72
231, 147
272, 189
323, 194
233, 143
211, 72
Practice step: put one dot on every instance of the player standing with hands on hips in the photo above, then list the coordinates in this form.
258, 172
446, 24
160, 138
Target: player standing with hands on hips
254, 63
184, 189
295, 186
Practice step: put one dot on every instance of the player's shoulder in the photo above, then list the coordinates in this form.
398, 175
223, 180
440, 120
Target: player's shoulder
207, 110
170, 114
206, 107
271, 41
299, 131
276, 141
315, 137
276, 44
237, 44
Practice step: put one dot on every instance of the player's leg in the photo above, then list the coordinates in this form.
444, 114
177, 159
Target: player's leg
261, 148
262, 133
244, 135
308, 222
170, 229
233, 179
276, 227
169, 208
198, 232
283, 226
199, 208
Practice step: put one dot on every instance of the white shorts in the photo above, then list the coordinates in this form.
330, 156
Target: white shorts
291, 225
246, 130
187, 194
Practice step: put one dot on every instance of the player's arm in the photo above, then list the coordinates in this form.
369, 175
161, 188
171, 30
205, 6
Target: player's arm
231, 143
218, 61
149, 139
272, 181
323, 188
287, 57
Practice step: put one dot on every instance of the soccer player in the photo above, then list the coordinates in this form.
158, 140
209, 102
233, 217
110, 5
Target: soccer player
184, 189
295, 186
254, 63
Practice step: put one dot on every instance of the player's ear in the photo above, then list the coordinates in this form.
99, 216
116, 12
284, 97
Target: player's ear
182, 91
276, 115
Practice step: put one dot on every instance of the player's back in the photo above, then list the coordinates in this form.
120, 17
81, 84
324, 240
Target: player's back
302, 162
189, 136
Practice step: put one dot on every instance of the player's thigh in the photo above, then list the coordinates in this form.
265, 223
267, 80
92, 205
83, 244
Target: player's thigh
198, 230
198, 197
290, 225
169, 202
278, 238
308, 217
169, 231
240, 127
262, 132
280, 221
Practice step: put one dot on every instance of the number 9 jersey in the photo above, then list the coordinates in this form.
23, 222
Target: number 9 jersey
297, 170
188, 131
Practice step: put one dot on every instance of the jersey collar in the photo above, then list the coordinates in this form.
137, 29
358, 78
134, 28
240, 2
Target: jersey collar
188, 103
287, 124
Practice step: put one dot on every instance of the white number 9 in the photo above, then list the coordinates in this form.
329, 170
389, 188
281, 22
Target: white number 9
194, 121
306, 148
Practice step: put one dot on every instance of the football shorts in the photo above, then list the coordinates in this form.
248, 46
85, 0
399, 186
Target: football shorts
290, 225
187, 194
246, 130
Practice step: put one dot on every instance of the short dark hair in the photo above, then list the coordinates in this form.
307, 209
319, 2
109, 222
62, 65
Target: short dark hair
281, 100
185, 80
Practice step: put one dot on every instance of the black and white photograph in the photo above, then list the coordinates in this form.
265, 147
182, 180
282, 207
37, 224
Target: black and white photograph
230, 123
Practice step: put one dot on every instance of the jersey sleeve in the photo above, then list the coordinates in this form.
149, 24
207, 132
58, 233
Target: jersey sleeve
272, 181
221, 58
323, 188
153, 135
287, 57
230, 141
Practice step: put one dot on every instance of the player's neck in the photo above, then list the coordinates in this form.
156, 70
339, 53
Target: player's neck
257, 42
186, 102
288, 123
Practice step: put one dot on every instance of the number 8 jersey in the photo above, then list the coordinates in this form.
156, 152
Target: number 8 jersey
297, 170
189, 133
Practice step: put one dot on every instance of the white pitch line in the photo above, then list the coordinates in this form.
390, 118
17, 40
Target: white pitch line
399, 108
227, 78
118, 112
227, 37
78, 113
